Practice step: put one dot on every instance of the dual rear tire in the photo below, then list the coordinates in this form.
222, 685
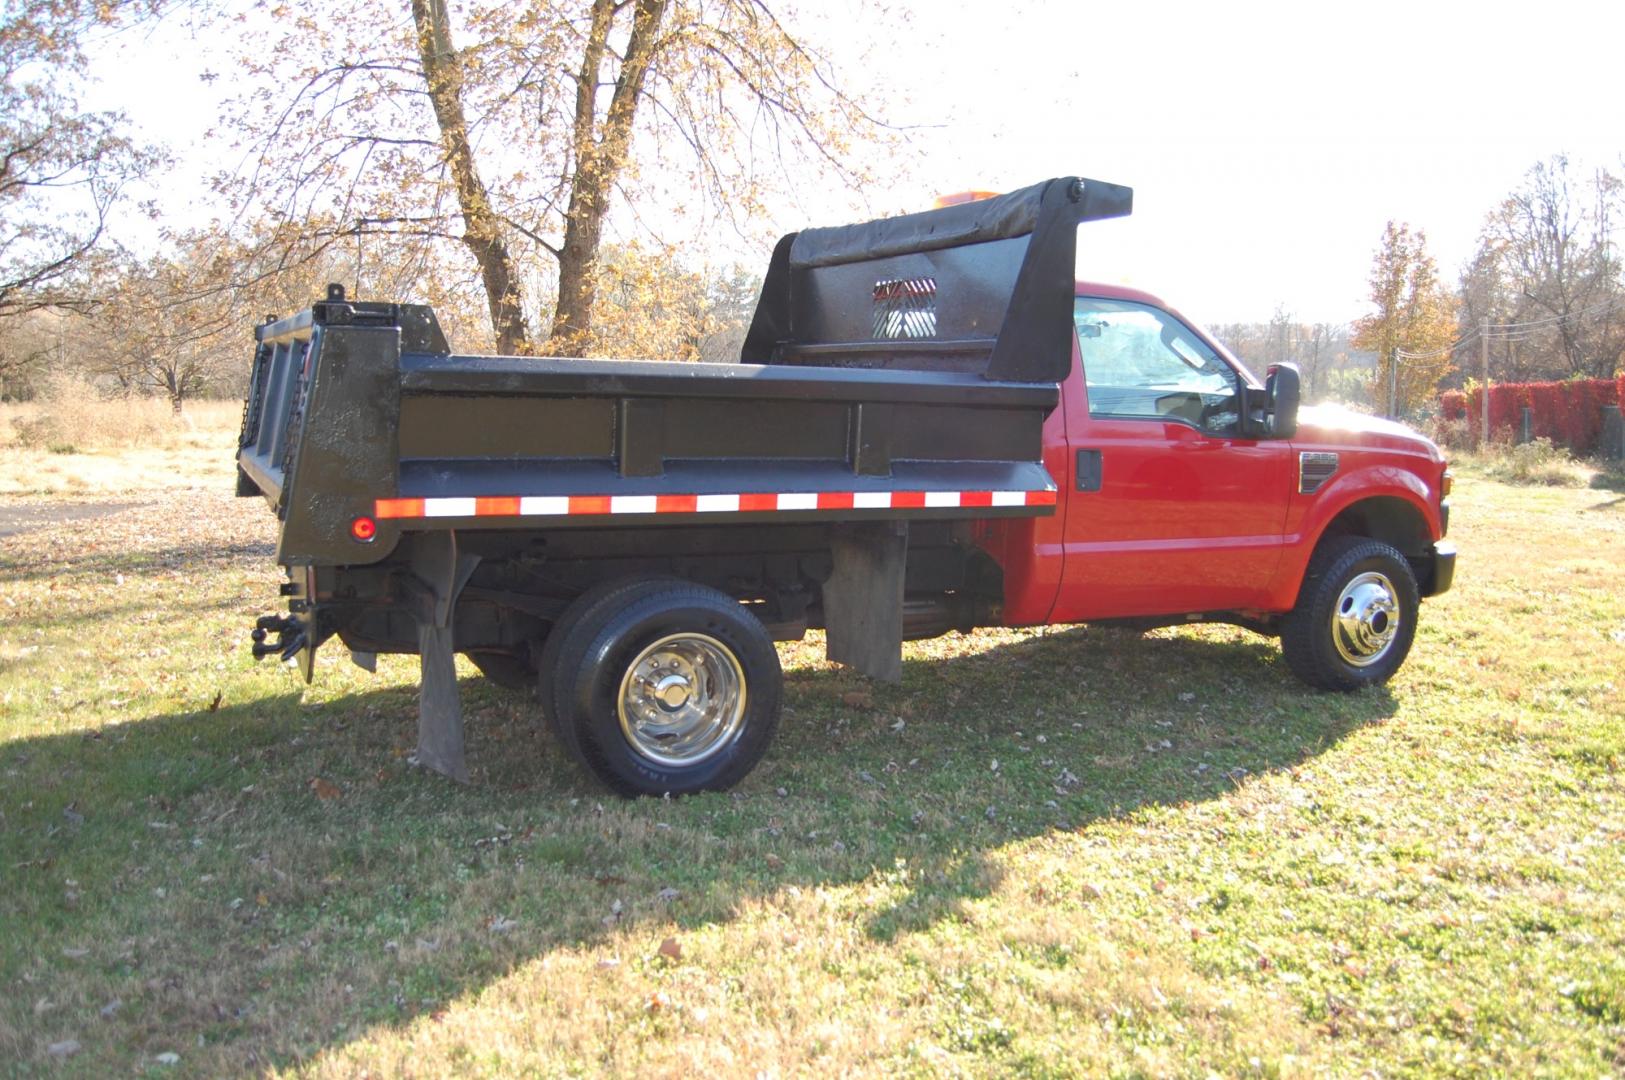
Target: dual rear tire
660, 686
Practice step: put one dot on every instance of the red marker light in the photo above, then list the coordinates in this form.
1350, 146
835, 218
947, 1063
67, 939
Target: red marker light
364, 529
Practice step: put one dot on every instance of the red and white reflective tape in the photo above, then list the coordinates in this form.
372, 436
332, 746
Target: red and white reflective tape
751, 502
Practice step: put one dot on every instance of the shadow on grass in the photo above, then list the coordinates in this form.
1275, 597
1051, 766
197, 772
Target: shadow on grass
270, 881
1610, 476
114, 560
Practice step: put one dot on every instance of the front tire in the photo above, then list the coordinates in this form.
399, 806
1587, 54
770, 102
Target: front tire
669, 689
1356, 615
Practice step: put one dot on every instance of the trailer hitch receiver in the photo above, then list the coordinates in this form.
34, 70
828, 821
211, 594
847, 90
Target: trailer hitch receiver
292, 641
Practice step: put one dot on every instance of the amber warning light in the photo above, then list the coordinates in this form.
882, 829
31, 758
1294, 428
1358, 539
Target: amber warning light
959, 197
364, 529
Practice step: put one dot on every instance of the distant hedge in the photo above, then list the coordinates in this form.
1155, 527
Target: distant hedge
1568, 413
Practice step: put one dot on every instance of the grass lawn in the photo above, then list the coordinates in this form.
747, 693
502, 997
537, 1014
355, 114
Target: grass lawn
1055, 852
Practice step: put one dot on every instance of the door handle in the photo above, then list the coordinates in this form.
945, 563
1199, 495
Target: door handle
1088, 471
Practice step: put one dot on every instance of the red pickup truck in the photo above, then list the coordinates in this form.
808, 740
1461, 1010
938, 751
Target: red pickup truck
932, 427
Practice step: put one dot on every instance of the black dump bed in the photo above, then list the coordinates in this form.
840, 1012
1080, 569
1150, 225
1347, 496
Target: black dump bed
895, 369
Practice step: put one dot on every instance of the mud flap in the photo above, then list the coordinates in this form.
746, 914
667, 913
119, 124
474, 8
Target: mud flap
306, 658
863, 598
439, 572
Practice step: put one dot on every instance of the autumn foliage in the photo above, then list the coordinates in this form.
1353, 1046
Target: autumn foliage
1569, 413
1412, 321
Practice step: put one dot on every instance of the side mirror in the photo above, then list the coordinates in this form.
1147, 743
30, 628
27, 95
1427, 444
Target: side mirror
1284, 387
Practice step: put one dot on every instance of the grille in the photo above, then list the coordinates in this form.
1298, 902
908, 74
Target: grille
905, 309
1314, 469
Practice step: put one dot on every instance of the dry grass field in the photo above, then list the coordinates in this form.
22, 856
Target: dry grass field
115, 447
1061, 852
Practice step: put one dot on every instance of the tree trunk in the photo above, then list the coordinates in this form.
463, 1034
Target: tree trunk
482, 231
599, 158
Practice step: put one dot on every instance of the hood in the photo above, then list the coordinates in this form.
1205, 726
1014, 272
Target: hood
1337, 425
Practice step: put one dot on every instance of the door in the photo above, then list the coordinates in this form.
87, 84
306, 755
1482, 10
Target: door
1169, 511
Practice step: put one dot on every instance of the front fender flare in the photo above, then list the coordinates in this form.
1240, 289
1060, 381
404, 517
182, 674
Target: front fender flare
1347, 491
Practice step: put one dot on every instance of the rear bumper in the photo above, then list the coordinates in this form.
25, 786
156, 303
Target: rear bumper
1439, 569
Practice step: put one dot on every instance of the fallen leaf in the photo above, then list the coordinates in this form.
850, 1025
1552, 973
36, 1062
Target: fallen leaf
325, 790
671, 949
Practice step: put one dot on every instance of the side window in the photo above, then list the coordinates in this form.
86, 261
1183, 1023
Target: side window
1141, 363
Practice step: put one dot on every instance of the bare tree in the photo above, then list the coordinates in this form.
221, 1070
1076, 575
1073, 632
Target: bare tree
510, 130
28, 346
1321, 347
1317, 348
62, 169
1548, 262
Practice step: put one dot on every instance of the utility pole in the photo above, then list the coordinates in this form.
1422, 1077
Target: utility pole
1393, 383
1484, 374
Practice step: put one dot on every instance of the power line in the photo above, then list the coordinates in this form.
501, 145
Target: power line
1498, 328
1406, 354
1511, 331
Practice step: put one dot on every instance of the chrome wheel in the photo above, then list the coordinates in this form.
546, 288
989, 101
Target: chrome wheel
1365, 619
682, 700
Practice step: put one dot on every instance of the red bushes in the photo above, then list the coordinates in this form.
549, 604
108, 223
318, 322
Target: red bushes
1568, 413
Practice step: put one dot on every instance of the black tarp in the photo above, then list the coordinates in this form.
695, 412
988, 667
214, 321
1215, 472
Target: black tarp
998, 218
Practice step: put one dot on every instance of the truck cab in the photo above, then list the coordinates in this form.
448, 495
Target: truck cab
1189, 493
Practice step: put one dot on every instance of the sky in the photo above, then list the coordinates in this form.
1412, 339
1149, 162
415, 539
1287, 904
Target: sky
1267, 144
